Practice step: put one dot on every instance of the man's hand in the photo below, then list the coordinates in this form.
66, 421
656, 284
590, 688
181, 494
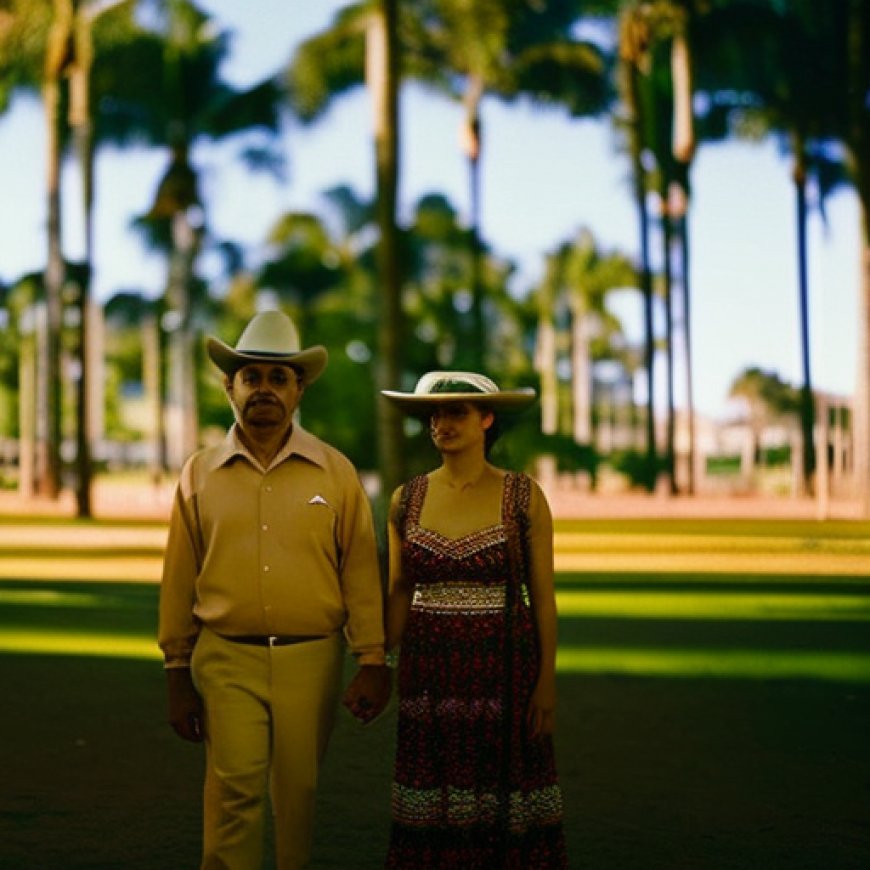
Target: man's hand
186, 714
369, 692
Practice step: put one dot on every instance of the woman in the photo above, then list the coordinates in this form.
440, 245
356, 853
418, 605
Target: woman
472, 607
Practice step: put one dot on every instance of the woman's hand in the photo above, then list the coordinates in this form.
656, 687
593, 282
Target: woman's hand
541, 714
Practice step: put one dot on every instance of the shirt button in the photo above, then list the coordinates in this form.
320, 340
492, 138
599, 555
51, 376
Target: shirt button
265, 527
268, 489
266, 568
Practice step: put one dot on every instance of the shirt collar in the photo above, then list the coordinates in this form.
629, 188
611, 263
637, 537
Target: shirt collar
300, 443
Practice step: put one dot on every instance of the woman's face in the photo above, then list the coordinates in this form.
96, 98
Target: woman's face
459, 426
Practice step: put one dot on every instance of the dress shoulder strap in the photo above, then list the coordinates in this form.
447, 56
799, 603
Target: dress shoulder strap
410, 503
517, 498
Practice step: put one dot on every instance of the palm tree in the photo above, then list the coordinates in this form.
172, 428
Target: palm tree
682, 152
194, 103
767, 399
790, 63
58, 58
124, 67
501, 47
383, 60
853, 35
505, 49
665, 92
361, 47
305, 264
634, 39
589, 274
546, 349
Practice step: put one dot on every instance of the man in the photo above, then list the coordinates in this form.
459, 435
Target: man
271, 558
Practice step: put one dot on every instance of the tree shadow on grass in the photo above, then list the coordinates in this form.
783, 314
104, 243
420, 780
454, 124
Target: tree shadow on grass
92, 775
696, 772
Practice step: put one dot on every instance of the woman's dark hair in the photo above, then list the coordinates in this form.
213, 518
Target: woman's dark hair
492, 434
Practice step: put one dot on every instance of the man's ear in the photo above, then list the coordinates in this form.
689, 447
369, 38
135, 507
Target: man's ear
228, 382
488, 419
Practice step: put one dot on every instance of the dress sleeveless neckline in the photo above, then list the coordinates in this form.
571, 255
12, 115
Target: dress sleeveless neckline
487, 532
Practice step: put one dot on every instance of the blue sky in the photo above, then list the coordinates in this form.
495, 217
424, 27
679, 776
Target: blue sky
544, 177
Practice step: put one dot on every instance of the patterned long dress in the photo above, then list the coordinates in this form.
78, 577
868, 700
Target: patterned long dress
471, 790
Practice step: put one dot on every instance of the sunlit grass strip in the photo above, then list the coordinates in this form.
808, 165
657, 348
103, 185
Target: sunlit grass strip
712, 605
701, 663
20, 536
719, 563
52, 598
619, 542
701, 581
655, 527
134, 569
145, 568
79, 644
698, 663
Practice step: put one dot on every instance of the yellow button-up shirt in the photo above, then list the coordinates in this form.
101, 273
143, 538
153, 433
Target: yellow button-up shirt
289, 549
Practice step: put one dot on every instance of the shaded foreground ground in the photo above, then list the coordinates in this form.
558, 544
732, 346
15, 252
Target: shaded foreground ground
712, 719
656, 774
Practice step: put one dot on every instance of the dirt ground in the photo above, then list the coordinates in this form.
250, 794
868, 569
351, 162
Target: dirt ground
112, 499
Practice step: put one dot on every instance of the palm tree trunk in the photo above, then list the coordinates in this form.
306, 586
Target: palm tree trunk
581, 371
152, 357
27, 404
545, 356
48, 446
382, 63
80, 121
667, 277
858, 52
471, 140
646, 284
807, 408
681, 234
182, 349
683, 149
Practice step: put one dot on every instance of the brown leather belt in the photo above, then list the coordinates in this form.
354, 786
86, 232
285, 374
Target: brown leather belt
271, 639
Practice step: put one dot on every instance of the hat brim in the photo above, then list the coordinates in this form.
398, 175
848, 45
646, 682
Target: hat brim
505, 400
312, 361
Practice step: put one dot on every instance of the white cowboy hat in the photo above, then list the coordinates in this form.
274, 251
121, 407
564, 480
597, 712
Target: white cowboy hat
269, 337
440, 388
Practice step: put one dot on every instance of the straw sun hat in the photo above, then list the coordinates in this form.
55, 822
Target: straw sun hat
441, 388
270, 337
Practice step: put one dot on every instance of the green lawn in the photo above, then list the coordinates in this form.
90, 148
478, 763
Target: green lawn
711, 716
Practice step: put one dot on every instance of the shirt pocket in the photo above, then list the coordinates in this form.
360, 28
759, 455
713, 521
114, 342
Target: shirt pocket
320, 527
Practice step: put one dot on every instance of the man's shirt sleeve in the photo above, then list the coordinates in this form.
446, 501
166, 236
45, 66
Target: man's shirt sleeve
178, 627
360, 577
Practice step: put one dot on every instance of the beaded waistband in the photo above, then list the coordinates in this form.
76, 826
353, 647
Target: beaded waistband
459, 597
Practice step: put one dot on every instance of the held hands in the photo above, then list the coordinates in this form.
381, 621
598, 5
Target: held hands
368, 693
541, 714
186, 714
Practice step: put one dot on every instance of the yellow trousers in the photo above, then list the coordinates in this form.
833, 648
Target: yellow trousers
269, 713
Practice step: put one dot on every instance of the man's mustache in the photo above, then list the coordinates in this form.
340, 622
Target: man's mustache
261, 400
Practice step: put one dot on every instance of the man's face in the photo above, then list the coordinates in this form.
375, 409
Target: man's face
265, 395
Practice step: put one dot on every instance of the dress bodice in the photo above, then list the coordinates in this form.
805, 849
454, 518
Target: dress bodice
431, 557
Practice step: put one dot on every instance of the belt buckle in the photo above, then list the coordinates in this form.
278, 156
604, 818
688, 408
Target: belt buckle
272, 639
